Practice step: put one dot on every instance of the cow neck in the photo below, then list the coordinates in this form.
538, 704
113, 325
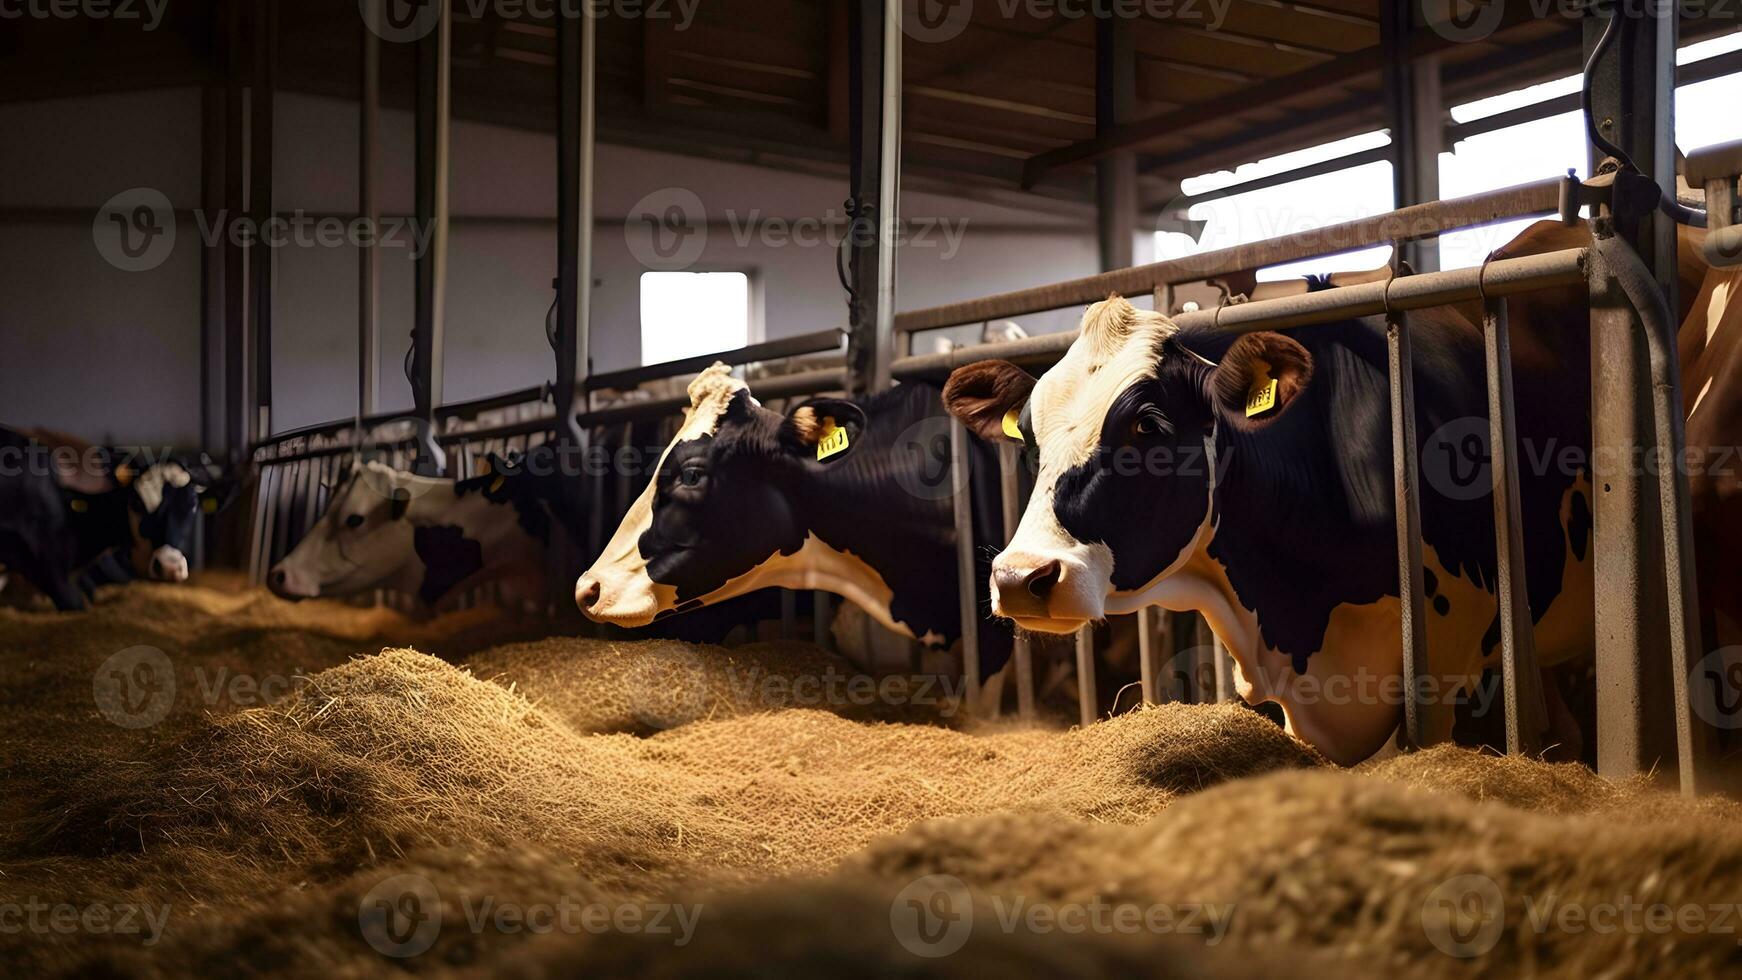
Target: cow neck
861, 505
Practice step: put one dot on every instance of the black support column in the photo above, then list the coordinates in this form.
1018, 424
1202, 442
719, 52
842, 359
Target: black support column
1415, 117
1633, 106
575, 125
1116, 174
260, 98
874, 97
432, 104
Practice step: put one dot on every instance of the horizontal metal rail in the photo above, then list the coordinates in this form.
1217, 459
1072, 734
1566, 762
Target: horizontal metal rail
457, 410
818, 342
1405, 224
1503, 278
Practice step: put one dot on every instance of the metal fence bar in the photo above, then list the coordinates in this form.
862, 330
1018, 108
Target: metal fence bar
1407, 500
1523, 682
1020, 651
1505, 277
1224, 672
1406, 224
967, 591
1087, 701
820, 607
1148, 654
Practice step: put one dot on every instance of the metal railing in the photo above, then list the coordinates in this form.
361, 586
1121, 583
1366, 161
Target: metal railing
1488, 285
296, 470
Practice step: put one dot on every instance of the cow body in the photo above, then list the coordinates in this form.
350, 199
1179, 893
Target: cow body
65, 507
744, 499
1279, 525
430, 537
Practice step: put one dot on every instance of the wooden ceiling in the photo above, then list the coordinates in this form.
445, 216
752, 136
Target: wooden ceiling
1003, 103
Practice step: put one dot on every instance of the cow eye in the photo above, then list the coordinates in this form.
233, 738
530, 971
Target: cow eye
1150, 422
354, 521
692, 474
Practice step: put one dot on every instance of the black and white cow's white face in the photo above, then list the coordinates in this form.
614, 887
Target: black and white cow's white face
362, 542
168, 502
726, 513
1122, 432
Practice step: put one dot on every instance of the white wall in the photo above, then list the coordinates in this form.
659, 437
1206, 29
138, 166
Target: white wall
85, 347
71, 320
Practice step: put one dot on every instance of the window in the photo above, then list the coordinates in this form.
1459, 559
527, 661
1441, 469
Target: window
684, 314
1301, 205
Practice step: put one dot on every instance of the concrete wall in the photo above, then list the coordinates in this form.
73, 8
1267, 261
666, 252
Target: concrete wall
114, 355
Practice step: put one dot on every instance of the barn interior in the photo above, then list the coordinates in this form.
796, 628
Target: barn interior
275, 242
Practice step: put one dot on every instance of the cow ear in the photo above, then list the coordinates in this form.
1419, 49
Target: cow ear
827, 427
397, 502
987, 397
1260, 376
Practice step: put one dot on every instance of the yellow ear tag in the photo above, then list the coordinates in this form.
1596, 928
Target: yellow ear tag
1011, 428
496, 484
209, 505
124, 474
833, 440
78, 506
1261, 397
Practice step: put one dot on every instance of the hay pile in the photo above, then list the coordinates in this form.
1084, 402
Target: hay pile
647, 686
279, 838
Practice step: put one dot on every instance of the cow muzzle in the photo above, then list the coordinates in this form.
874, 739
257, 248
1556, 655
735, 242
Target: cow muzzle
621, 601
287, 583
169, 565
1045, 593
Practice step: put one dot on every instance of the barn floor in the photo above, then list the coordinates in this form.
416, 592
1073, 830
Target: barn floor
206, 780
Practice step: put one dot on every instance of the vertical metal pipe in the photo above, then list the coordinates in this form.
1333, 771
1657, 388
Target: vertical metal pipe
1021, 653
1632, 102
820, 606
260, 203
1148, 654
874, 81
257, 527
788, 614
576, 73
434, 114
1410, 590
967, 588
368, 208
1087, 699
1224, 673
1525, 712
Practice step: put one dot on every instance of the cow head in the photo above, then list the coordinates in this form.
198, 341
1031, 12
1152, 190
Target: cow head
167, 498
1122, 433
363, 541
721, 515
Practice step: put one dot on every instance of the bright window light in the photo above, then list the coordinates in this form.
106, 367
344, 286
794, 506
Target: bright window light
684, 314
1705, 114
1302, 205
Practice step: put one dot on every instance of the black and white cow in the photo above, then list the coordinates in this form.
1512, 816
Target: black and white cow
68, 508
1158, 484
743, 498
430, 537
